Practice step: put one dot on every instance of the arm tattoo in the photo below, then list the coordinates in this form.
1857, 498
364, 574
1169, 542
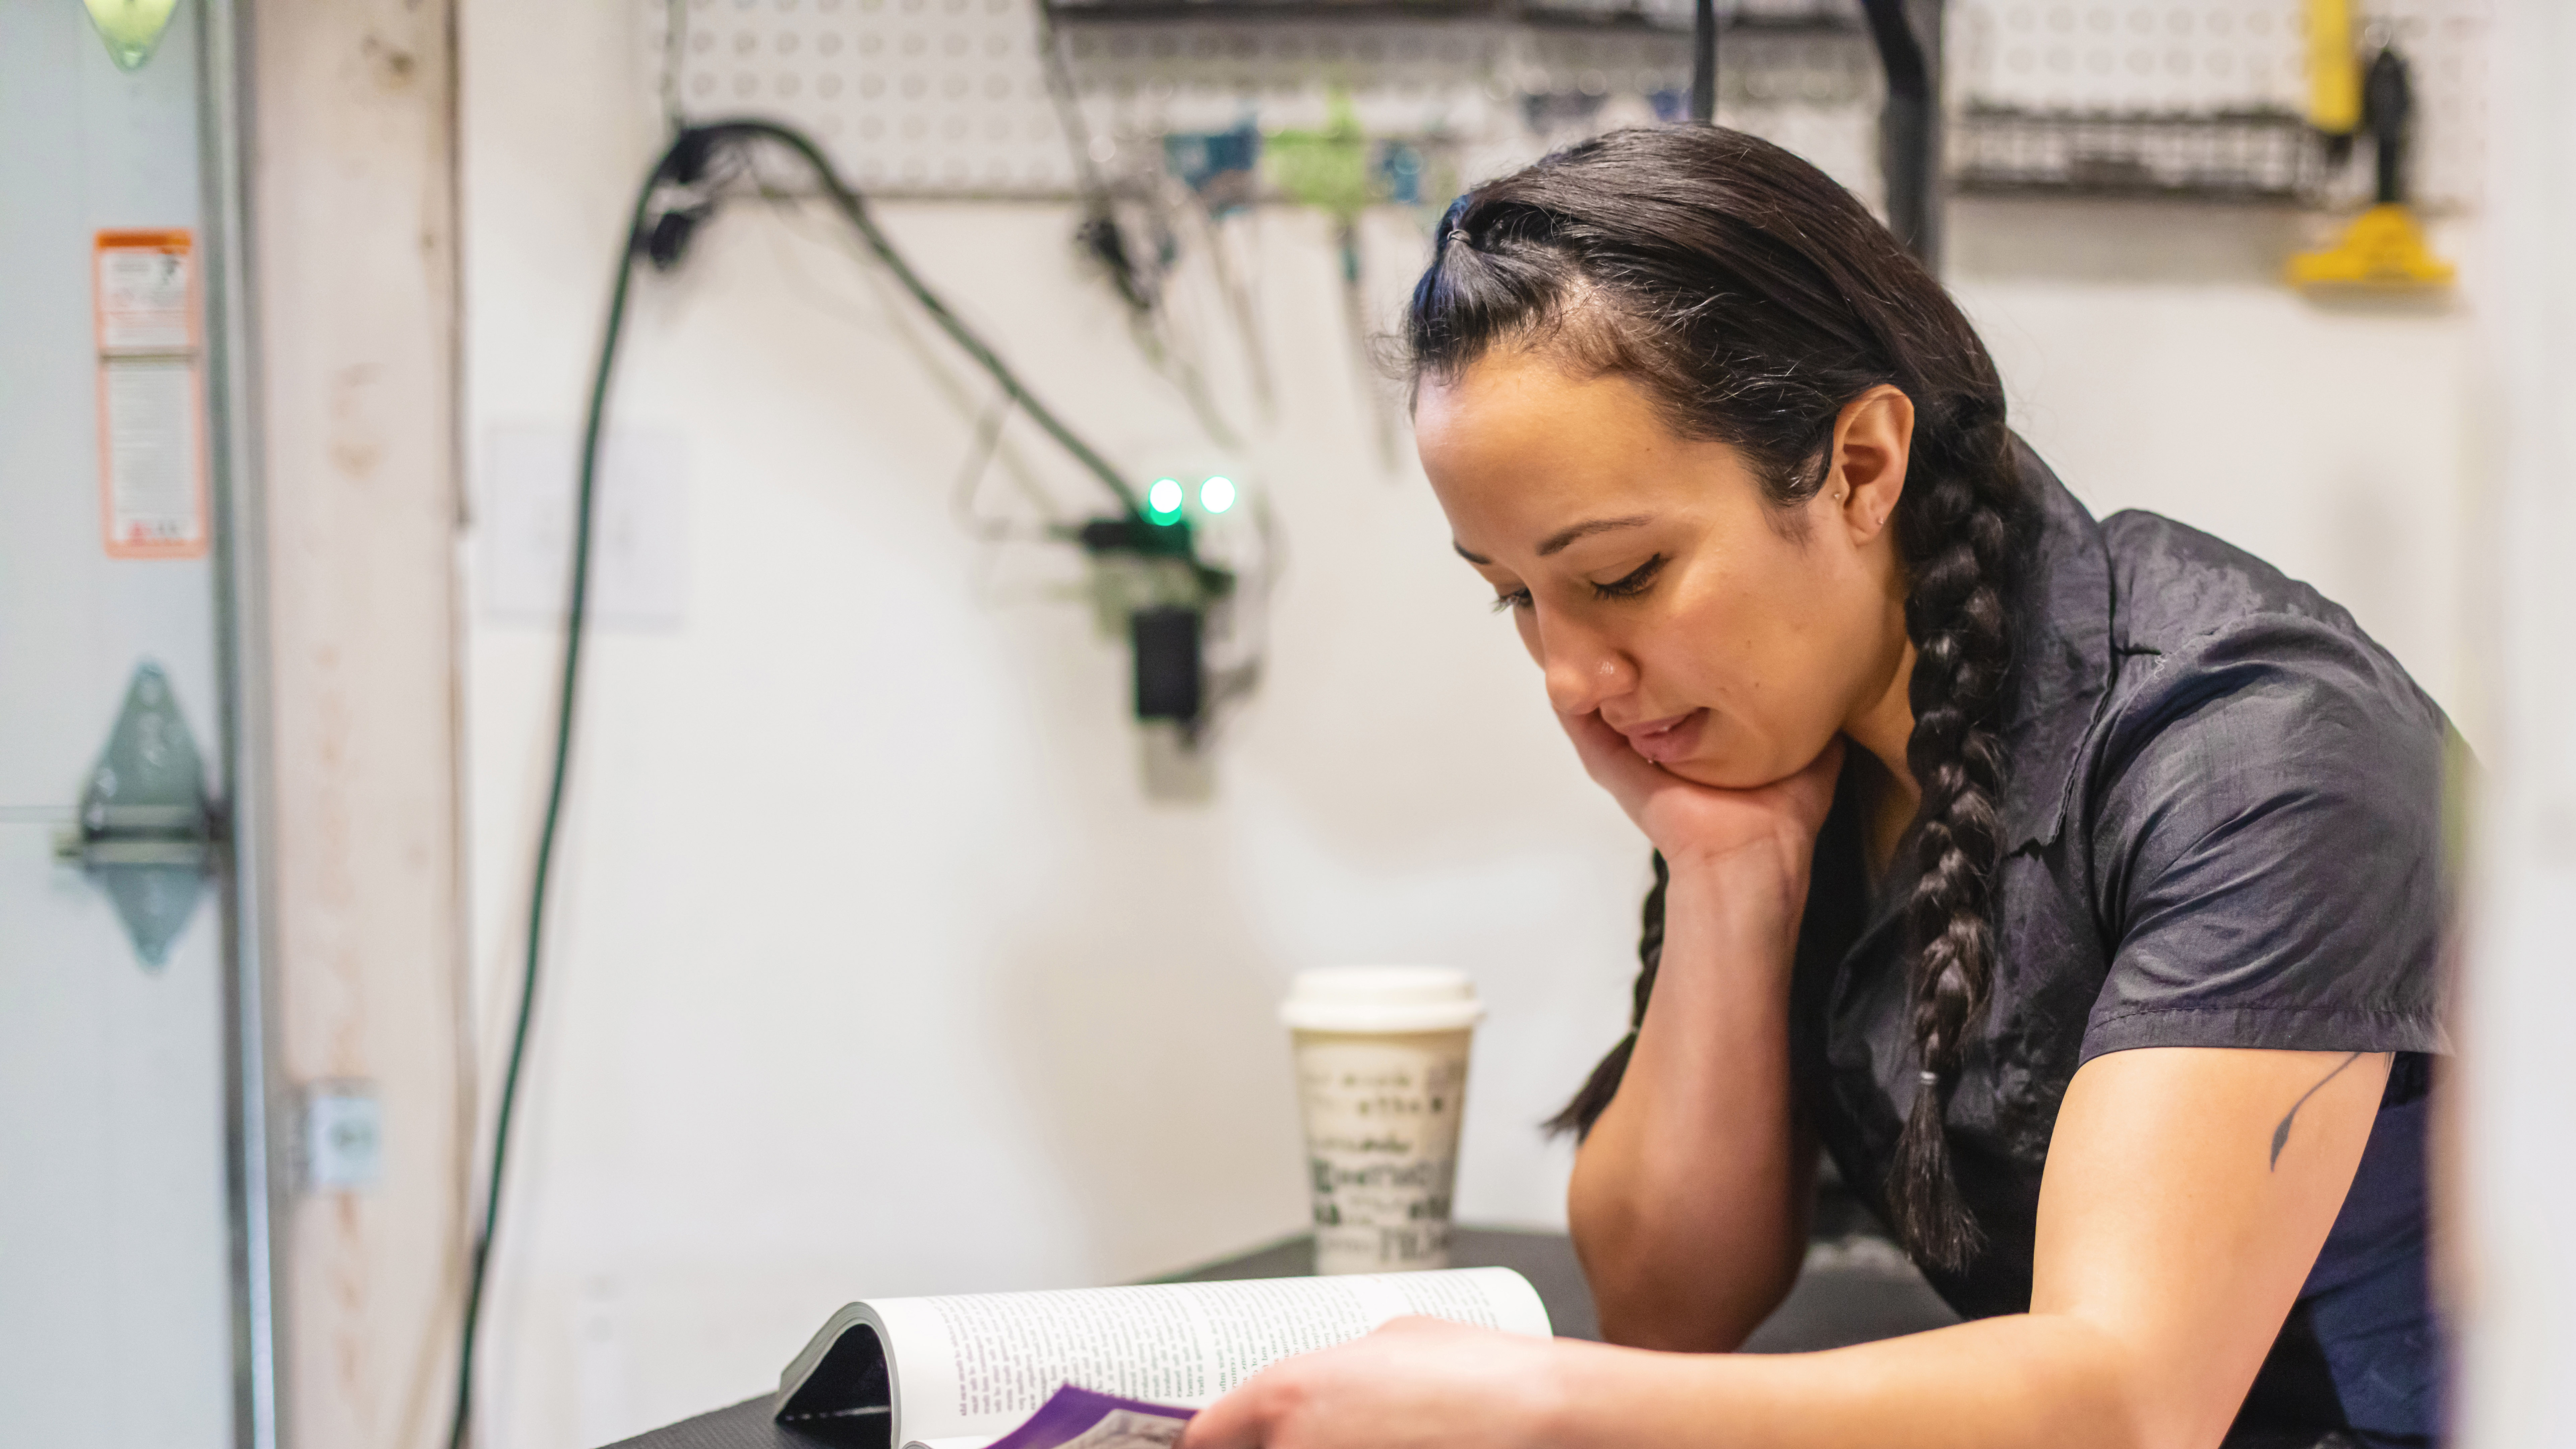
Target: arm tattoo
2281, 1134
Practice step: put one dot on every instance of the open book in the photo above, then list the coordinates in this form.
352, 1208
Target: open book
983, 1371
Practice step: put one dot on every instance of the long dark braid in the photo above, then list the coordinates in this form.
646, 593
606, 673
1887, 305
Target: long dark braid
1603, 1084
1961, 555
1752, 297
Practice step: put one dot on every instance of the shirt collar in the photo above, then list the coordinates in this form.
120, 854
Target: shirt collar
2062, 665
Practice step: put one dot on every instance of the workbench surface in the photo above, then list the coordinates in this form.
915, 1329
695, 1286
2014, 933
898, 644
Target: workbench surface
1866, 1295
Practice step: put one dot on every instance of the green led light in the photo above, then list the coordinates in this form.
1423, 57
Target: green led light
1163, 500
1216, 495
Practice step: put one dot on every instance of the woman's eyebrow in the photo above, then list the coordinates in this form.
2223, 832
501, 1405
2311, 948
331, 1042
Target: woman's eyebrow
1562, 539
1558, 542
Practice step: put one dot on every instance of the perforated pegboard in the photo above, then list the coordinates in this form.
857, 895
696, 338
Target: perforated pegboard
2185, 57
951, 97
929, 94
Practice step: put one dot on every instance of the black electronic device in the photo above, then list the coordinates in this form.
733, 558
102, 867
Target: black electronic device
1170, 672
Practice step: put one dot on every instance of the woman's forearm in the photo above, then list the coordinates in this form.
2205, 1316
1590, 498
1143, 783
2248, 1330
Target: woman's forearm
1688, 1205
2027, 1381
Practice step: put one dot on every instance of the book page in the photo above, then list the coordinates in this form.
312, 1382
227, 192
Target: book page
978, 1365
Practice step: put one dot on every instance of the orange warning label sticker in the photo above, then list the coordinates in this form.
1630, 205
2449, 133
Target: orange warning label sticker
151, 410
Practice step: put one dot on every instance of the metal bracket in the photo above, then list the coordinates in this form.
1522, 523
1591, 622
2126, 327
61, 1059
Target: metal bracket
341, 1147
148, 831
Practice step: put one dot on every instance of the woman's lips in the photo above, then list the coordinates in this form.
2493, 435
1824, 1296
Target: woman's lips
1666, 740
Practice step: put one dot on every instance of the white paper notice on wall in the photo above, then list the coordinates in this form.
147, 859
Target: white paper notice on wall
639, 533
151, 432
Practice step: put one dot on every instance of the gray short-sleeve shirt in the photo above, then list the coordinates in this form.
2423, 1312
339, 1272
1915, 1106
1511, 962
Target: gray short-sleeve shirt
2223, 825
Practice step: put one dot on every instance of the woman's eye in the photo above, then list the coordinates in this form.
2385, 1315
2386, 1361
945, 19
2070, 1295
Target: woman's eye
1516, 599
1633, 583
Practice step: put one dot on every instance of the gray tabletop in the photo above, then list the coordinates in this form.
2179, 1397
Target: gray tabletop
1852, 1291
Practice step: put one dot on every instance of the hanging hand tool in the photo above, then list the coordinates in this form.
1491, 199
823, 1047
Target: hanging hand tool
2334, 74
2384, 248
1329, 171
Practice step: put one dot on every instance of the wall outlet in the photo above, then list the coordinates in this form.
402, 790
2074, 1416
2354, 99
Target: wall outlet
639, 537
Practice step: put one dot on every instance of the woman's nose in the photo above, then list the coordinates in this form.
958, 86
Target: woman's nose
1583, 669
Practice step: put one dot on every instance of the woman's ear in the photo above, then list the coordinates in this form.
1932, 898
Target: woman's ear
1872, 439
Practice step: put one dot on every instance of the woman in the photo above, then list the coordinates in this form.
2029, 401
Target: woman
2075, 884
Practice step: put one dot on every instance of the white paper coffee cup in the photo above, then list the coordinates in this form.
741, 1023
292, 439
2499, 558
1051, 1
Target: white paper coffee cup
1382, 1083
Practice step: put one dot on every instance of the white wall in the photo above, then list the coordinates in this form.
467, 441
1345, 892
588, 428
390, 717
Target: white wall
2154, 358
875, 974
2514, 1264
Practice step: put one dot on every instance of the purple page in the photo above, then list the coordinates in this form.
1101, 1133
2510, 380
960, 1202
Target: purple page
1080, 1419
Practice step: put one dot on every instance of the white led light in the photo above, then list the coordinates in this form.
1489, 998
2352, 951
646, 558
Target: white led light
1216, 495
1165, 496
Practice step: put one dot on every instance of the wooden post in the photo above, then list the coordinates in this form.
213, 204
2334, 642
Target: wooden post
353, 260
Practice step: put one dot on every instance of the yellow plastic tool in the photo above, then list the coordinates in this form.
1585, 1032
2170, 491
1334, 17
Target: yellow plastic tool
2383, 250
2334, 69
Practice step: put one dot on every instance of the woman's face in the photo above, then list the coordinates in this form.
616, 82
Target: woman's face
1727, 638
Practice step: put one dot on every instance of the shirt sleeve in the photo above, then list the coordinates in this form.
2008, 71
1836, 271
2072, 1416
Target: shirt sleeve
2268, 848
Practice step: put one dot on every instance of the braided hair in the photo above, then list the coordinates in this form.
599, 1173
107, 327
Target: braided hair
1752, 298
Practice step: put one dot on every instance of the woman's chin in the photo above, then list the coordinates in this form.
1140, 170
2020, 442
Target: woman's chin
1724, 774
1738, 770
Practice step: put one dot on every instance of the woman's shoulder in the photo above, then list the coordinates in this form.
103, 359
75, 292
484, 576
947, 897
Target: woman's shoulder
2260, 814
2199, 625
2172, 584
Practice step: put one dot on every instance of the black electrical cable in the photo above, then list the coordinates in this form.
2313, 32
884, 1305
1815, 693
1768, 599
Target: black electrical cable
970, 476
855, 210
663, 239
1703, 96
1907, 127
576, 614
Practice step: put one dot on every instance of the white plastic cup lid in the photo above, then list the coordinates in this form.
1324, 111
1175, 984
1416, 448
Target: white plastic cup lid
1381, 998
